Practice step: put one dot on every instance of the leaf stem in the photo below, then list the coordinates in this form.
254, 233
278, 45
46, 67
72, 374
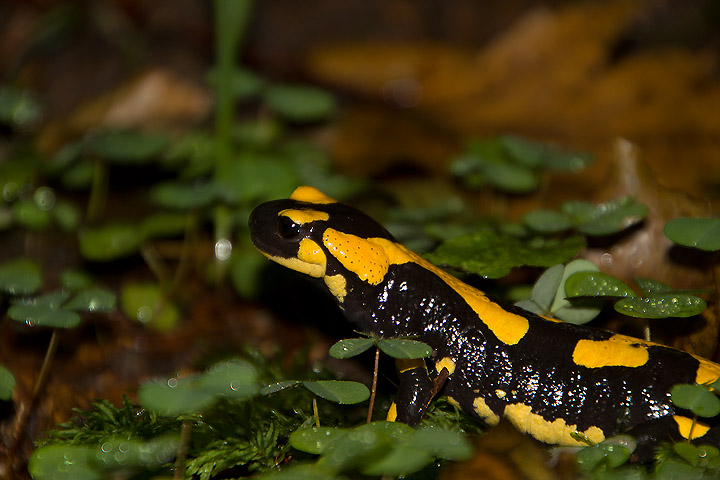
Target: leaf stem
98, 191
316, 414
24, 414
185, 433
373, 390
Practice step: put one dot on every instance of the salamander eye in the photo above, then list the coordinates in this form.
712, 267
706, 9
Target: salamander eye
287, 228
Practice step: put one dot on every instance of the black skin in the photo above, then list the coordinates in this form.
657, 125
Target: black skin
538, 371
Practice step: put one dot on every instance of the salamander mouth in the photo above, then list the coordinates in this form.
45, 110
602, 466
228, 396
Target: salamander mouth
264, 229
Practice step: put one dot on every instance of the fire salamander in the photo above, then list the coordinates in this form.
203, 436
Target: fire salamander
560, 383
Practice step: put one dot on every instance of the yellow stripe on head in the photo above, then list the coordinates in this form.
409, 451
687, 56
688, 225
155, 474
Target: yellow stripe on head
304, 216
310, 259
310, 195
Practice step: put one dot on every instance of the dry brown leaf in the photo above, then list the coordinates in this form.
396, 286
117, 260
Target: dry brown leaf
156, 99
647, 252
551, 75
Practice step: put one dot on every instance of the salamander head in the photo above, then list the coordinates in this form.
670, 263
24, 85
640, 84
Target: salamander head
297, 232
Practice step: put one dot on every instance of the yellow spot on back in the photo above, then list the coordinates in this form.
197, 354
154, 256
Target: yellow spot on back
707, 371
370, 258
392, 413
556, 432
360, 256
688, 430
453, 402
508, 327
405, 364
310, 195
485, 412
304, 216
446, 362
616, 351
337, 286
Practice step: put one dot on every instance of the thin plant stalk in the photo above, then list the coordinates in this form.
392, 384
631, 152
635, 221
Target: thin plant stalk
98, 191
373, 390
24, 415
316, 413
185, 433
231, 18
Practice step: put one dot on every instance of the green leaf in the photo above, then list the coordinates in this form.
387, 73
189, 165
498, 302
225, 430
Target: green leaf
545, 289
49, 300
174, 397
92, 300
78, 176
20, 277
610, 455
688, 452
234, 379
64, 158
698, 399
665, 305
397, 348
316, 440
672, 470
30, 215
164, 225
185, 196
543, 155
64, 462
43, 316
596, 284
579, 311
127, 146
547, 221
259, 176
299, 471
351, 347
605, 218
7, 383
75, 280
649, 286
523, 151
339, 391
146, 303
67, 216
110, 242
245, 83
493, 255
401, 460
355, 449
442, 443
121, 453
300, 103
278, 386
702, 233
511, 178
18, 108
531, 307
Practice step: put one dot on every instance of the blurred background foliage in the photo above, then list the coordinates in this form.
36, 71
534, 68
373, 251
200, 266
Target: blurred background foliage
136, 137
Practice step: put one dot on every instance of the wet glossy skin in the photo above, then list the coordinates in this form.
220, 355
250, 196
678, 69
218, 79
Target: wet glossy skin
552, 380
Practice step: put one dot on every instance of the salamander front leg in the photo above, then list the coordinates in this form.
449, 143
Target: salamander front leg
415, 391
